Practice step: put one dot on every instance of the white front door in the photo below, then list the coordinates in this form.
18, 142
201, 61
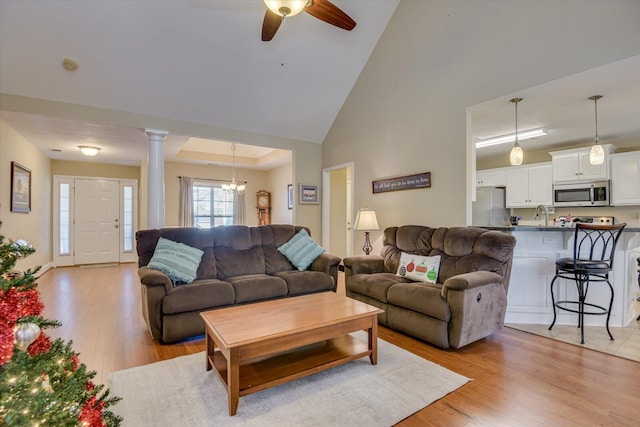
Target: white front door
97, 209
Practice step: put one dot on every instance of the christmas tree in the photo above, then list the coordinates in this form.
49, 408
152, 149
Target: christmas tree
42, 382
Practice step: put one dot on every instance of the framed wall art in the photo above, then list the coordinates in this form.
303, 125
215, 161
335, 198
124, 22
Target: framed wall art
20, 188
420, 180
290, 196
308, 194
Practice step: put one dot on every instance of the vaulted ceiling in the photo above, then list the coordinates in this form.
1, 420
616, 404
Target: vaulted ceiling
202, 61
198, 61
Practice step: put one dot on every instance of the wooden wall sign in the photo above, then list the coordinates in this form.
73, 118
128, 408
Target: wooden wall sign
420, 180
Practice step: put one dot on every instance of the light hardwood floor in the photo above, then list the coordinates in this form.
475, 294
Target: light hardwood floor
519, 379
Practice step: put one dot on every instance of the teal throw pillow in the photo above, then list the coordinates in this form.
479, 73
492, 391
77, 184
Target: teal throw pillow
177, 260
301, 250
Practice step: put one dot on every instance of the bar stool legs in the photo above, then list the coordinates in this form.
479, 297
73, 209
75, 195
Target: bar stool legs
583, 307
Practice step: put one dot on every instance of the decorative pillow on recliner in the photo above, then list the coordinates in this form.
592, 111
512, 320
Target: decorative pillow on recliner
419, 268
301, 250
177, 260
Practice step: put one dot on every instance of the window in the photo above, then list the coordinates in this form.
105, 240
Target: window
65, 220
212, 206
127, 220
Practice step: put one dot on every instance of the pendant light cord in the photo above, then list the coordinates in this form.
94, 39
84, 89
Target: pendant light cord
595, 103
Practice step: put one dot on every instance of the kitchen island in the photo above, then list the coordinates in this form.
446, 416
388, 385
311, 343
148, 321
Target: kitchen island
537, 248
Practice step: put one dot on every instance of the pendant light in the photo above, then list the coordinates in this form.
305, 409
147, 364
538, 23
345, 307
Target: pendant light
596, 156
516, 156
232, 186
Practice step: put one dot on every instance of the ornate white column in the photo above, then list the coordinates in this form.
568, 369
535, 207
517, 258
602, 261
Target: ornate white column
155, 199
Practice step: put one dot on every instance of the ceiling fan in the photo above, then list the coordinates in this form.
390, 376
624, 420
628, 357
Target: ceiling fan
277, 10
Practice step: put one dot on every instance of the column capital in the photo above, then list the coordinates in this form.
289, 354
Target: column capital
156, 132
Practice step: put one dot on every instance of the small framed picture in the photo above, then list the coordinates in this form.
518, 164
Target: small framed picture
308, 194
20, 188
290, 196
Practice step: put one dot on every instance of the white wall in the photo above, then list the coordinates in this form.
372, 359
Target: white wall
279, 178
34, 227
407, 112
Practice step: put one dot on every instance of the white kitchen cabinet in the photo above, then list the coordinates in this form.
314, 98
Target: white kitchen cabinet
491, 178
574, 165
625, 179
529, 186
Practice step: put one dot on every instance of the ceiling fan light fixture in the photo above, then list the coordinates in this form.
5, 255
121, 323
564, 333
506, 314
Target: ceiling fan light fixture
286, 7
89, 150
596, 156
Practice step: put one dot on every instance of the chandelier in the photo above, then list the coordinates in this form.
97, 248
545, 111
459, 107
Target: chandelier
233, 186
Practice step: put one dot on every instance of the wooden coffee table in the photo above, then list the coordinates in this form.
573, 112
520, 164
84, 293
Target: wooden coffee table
261, 345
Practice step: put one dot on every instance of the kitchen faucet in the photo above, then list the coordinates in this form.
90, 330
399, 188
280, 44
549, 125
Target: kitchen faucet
539, 209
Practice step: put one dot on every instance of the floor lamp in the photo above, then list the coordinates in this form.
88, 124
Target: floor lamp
366, 221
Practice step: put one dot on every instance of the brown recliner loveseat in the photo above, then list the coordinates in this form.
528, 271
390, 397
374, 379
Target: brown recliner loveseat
468, 302
240, 265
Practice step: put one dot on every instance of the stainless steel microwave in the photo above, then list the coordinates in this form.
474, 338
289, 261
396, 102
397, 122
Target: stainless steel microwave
595, 193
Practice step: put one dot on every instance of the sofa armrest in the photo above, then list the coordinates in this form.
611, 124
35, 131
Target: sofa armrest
150, 277
363, 264
155, 285
327, 263
470, 280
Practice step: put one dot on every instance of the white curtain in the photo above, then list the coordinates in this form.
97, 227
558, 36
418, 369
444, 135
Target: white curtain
239, 212
185, 209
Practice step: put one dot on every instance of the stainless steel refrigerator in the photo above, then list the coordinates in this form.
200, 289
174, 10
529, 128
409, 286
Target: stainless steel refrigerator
489, 208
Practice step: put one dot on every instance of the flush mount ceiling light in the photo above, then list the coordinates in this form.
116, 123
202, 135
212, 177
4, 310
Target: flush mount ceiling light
516, 156
503, 139
89, 150
232, 186
596, 156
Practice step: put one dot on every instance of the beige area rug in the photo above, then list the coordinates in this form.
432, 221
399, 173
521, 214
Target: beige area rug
179, 392
626, 341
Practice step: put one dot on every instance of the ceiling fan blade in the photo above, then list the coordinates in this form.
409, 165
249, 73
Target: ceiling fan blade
330, 13
270, 25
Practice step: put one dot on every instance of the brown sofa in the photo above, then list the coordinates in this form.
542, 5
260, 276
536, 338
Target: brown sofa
240, 265
467, 303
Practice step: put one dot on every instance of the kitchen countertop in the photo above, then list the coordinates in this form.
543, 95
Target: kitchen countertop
539, 228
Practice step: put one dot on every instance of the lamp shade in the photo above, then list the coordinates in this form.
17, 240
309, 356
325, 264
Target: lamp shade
516, 156
366, 220
596, 155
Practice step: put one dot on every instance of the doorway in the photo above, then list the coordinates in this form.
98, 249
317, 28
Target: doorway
94, 220
337, 209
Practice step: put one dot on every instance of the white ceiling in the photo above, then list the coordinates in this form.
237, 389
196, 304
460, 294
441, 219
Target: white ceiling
202, 61
199, 61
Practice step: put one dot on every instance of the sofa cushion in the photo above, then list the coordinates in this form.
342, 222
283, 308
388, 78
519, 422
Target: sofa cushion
423, 298
255, 287
304, 282
178, 261
374, 285
233, 262
199, 295
274, 261
419, 268
301, 250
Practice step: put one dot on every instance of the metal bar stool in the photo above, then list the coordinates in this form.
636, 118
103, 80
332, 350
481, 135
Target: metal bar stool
593, 251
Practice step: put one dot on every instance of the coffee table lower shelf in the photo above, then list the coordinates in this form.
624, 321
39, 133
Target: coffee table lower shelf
262, 373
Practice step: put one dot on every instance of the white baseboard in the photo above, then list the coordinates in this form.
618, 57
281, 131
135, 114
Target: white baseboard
43, 269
